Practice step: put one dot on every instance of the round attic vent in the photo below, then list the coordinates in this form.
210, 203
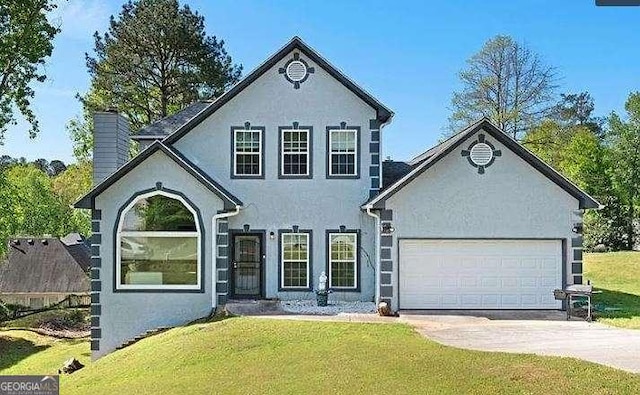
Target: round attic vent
296, 71
481, 154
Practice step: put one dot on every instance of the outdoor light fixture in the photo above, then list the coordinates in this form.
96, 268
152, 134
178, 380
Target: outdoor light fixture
577, 228
272, 235
387, 228
246, 227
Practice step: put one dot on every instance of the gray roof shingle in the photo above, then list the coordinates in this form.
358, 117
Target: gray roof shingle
45, 265
170, 124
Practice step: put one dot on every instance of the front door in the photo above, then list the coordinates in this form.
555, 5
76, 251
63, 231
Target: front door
246, 266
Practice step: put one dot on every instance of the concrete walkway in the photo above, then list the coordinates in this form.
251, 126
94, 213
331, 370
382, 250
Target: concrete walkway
543, 333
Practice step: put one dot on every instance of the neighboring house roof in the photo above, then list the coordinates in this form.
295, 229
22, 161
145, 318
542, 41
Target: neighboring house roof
392, 171
384, 114
42, 265
79, 247
229, 200
430, 157
164, 127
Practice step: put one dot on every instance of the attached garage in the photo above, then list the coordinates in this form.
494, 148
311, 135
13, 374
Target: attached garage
478, 222
479, 274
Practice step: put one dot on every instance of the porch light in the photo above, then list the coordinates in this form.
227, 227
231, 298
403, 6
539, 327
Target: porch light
272, 235
387, 228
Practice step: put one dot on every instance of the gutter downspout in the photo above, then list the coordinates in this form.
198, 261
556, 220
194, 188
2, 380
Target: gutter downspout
377, 255
214, 251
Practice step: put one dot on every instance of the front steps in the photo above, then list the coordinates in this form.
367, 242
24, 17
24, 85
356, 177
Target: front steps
144, 335
253, 307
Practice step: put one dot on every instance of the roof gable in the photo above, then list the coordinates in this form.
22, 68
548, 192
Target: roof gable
230, 201
384, 114
44, 265
430, 157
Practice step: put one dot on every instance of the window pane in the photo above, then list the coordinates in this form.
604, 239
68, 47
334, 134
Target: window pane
159, 213
343, 140
159, 260
247, 152
294, 164
342, 274
343, 260
343, 164
295, 152
295, 274
295, 257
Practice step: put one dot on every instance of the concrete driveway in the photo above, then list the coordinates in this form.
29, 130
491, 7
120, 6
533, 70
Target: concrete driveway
543, 333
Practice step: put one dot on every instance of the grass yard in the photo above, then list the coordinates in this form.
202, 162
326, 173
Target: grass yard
25, 352
250, 356
617, 274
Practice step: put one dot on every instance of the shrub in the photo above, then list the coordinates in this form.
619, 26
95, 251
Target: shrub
5, 314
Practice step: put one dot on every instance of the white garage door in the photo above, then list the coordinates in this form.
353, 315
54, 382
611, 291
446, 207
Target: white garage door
479, 274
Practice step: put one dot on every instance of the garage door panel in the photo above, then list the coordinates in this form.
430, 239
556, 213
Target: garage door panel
507, 274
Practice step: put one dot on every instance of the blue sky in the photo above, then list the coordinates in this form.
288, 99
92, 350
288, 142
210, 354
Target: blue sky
407, 54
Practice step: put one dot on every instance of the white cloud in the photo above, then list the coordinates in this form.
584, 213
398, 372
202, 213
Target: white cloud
79, 19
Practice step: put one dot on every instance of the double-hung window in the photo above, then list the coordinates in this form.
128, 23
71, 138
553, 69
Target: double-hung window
158, 244
295, 152
343, 260
343, 152
247, 152
295, 255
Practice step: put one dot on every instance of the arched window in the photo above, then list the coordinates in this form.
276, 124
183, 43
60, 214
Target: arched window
158, 244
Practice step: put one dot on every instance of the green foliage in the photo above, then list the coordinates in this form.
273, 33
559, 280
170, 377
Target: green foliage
32, 203
607, 226
5, 314
26, 40
155, 59
70, 186
163, 213
506, 82
52, 168
603, 162
624, 139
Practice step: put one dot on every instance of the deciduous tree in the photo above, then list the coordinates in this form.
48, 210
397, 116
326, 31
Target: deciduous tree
26, 41
508, 83
624, 138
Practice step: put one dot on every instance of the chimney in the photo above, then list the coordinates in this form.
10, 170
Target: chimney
110, 143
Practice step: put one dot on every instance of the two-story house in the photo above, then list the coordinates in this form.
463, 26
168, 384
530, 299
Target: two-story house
255, 194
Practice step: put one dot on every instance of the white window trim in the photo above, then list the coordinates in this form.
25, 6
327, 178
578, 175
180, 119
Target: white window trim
282, 260
355, 152
282, 152
120, 233
236, 153
355, 260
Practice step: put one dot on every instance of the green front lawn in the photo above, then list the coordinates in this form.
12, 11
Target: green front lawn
25, 352
617, 275
251, 356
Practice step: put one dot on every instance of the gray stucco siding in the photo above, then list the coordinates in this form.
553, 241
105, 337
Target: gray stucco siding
510, 200
125, 315
317, 225
274, 203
